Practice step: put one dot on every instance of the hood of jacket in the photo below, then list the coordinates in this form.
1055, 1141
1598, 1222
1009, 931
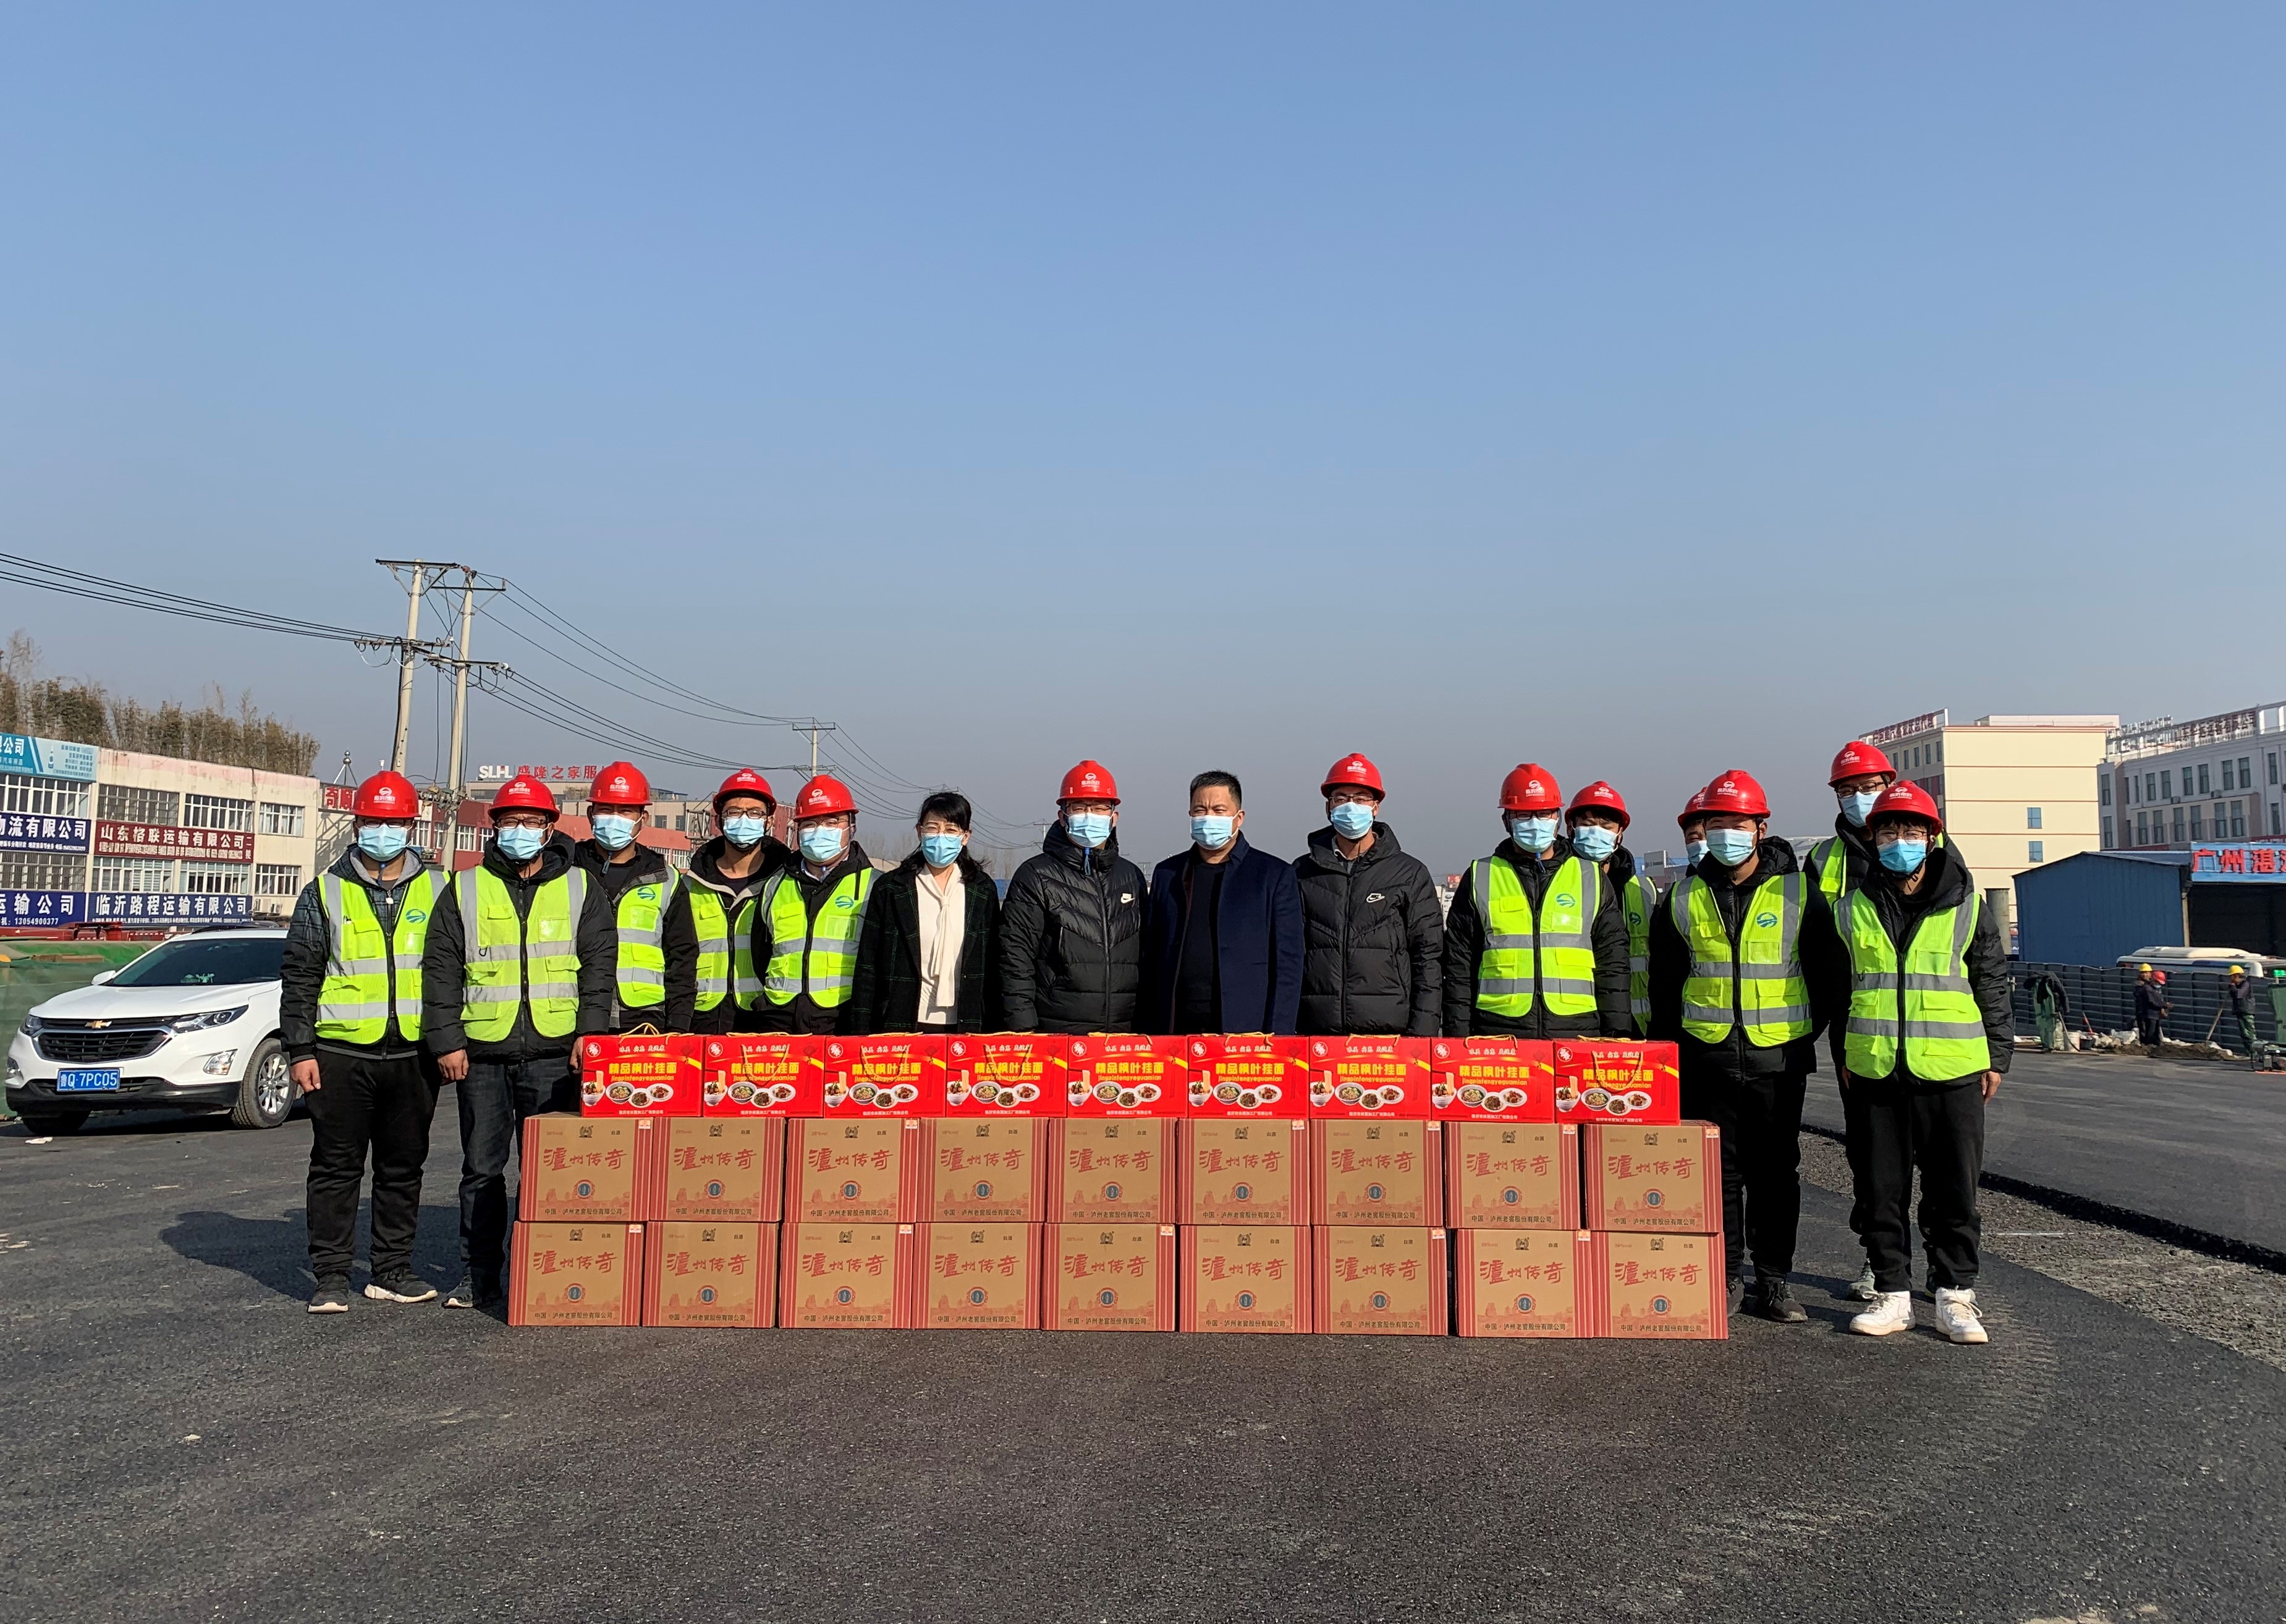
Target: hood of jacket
1325, 853
347, 867
556, 858
647, 863
706, 866
1772, 857
1060, 845
1947, 886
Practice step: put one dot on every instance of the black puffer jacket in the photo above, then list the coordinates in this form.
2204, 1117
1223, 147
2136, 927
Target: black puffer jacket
1071, 939
706, 872
1373, 939
888, 991
1949, 885
1464, 946
444, 962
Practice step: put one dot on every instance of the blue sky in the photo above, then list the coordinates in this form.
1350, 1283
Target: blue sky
1643, 393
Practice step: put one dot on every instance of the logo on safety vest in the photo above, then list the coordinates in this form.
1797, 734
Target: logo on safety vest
844, 903
414, 915
1564, 899
1766, 919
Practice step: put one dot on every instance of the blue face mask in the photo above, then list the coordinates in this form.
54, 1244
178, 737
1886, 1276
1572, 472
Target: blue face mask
1593, 842
518, 844
1353, 820
383, 842
821, 843
1730, 847
1903, 856
1090, 829
1212, 831
937, 850
613, 831
1694, 850
1855, 806
1535, 834
743, 832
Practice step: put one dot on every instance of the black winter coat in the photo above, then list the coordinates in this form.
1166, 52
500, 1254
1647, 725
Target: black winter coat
1464, 946
1373, 959
678, 936
1949, 884
804, 1014
888, 992
1071, 939
309, 944
443, 973
706, 872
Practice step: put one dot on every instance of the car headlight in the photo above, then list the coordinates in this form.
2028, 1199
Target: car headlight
211, 1018
31, 1026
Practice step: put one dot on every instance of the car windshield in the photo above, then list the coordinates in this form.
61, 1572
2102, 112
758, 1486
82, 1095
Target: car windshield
216, 962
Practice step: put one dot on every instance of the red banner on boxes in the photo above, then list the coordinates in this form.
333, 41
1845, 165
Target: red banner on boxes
1372, 1076
575, 1275
1247, 1074
763, 1074
894, 1074
1006, 1074
699, 1274
1111, 1277
640, 1075
1605, 1080
1491, 1079
1121, 1074
981, 1277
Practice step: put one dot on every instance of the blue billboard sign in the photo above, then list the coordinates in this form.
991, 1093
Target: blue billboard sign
33, 832
37, 908
46, 757
169, 908
2261, 865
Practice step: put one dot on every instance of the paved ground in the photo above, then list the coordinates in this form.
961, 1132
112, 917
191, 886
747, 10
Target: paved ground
2197, 1142
182, 1441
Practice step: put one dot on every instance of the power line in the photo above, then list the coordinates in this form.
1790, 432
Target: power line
102, 589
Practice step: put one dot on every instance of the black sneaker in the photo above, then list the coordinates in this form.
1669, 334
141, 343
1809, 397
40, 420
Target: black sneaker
468, 1294
1774, 1300
1735, 1293
332, 1297
401, 1286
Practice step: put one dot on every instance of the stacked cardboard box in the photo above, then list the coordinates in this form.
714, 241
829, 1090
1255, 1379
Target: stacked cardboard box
1652, 1193
1378, 1246
586, 1187
1512, 1188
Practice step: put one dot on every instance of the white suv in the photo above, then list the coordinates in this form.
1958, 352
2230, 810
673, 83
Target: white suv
191, 1025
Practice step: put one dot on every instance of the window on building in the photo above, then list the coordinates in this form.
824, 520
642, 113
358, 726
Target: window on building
2167, 787
2150, 787
217, 879
2031, 817
217, 812
659, 819
2238, 820
42, 871
2195, 822
280, 817
468, 840
48, 797
156, 874
2273, 766
278, 879
2106, 832
2037, 850
2103, 788
121, 804
2274, 828
2179, 826
2246, 772
2142, 829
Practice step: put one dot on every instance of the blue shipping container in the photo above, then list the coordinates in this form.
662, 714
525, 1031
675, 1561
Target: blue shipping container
2090, 907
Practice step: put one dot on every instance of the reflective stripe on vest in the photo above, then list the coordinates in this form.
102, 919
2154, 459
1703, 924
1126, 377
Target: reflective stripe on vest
1566, 955
1764, 982
1639, 900
713, 927
1829, 860
362, 962
821, 961
746, 986
511, 960
642, 972
1926, 1001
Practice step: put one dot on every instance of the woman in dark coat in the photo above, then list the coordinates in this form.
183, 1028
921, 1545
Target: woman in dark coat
929, 958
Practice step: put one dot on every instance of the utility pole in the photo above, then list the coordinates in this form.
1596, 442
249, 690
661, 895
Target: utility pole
460, 695
420, 577
405, 665
813, 726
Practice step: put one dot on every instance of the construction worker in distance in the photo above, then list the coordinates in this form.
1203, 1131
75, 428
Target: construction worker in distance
1535, 942
2150, 1007
2238, 998
1071, 926
519, 965
1929, 1031
1745, 972
810, 915
657, 980
1860, 773
349, 1017
1598, 821
720, 889
1373, 958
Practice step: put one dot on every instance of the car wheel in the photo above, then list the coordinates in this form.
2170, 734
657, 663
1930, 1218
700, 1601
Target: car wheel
265, 1095
38, 1124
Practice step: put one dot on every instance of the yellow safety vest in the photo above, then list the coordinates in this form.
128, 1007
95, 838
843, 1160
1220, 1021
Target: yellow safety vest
1638, 900
1763, 981
822, 960
1558, 938
712, 924
642, 972
1925, 1001
1829, 860
370, 973
513, 959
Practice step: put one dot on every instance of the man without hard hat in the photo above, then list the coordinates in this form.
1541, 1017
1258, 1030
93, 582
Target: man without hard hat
1223, 948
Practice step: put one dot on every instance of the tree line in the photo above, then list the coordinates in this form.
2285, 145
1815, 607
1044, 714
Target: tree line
85, 712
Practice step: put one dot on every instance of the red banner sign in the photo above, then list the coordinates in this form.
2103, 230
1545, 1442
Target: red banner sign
159, 840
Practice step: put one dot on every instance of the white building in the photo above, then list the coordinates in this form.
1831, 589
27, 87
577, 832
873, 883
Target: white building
2175, 784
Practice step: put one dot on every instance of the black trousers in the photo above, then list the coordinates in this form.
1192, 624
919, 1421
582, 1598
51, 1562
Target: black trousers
1760, 1120
367, 1105
1940, 1130
495, 1098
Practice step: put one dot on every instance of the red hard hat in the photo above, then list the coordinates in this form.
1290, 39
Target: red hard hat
1530, 788
1352, 772
526, 794
822, 797
1856, 759
1736, 792
1696, 806
1090, 781
1600, 797
621, 784
385, 795
745, 781
1904, 796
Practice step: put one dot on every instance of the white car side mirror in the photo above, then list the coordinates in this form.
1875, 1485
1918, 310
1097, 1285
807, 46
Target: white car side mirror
101, 976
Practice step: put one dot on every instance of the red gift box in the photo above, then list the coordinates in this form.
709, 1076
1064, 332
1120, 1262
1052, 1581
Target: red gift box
763, 1074
1607, 1080
1125, 1073
1369, 1076
1006, 1074
1247, 1074
1491, 1079
640, 1075
894, 1074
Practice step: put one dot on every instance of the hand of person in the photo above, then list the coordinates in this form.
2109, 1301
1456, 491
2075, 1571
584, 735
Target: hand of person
305, 1073
453, 1066
1840, 1074
1992, 1084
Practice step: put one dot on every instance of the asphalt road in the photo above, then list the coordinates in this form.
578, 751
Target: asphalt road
2196, 1142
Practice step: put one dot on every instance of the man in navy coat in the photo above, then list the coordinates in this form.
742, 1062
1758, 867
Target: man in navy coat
1223, 949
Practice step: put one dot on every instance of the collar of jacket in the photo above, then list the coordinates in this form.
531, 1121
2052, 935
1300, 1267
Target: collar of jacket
646, 861
1323, 851
1060, 845
1773, 857
1531, 867
1946, 886
1238, 853
853, 859
348, 867
1852, 838
1620, 867
705, 867
556, 857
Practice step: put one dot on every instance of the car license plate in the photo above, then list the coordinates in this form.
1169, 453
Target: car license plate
86, 1082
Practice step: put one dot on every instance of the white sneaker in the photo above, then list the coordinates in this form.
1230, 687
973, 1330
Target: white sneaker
1957, 1317
1892, 1310
1861, 1290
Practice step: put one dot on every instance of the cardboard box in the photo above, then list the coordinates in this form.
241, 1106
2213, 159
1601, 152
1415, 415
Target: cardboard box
1114, 1171
840, 1276
899, 1074
640, 1075
1006, 1074
1491, 1079
763, 1074
1515, 1175
1247, 1074
1373, 1076
725, 1169
575, 1275
1658, 1288
859, 1170
1523, 1283
1664, 1179
1377, 1172
711, 1274
1124, 1074
1111, 1277
981, 1171
1605, 1080
1250, 1170
591, 1170
982, 1277
1372, 1282
1245, 1278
